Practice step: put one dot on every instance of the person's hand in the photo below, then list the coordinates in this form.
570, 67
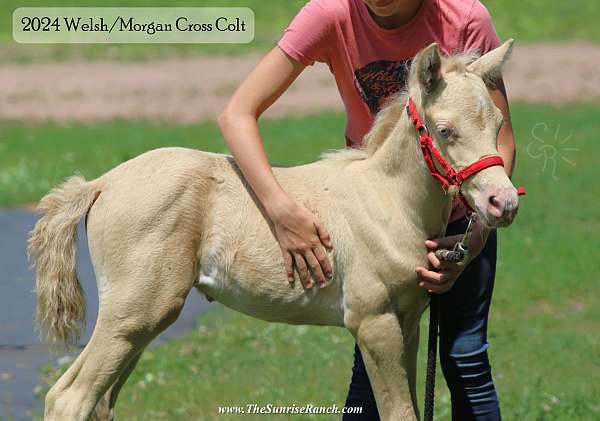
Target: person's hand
443, 275
303, 241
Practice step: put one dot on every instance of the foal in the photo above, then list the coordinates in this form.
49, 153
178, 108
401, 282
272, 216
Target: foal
174, 219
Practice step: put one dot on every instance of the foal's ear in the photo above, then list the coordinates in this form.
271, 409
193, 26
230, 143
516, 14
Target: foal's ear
429, 68
489, 66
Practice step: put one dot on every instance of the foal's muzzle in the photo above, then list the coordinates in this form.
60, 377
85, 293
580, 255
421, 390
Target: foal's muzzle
502, 206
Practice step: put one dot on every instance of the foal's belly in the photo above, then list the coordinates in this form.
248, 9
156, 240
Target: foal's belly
276, 301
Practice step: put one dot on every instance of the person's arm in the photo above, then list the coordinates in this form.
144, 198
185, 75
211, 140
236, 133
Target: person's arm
301, 236
506, 137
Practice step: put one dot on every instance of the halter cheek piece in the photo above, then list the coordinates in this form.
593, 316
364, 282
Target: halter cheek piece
449, 177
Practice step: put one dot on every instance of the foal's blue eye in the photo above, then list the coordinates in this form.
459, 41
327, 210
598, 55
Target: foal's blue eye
445, 132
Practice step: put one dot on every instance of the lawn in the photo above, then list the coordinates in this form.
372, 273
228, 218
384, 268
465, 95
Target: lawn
545, 322
524, 20
34, 157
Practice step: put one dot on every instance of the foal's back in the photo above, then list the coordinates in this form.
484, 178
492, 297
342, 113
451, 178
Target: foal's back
199, 202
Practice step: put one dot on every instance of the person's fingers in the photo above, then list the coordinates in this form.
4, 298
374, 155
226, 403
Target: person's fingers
435, 288
302, 269
435, 262
323, 235
445, 277
439, 264
429, 275
315, 268
323, 261
289, 265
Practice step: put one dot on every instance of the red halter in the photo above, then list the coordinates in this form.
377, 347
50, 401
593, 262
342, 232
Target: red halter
450, 177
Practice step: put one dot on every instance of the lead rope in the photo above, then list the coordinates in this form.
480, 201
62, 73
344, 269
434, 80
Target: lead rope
431, 358
458, 255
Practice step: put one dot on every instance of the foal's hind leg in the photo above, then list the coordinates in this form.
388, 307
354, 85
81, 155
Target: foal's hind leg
133, 310
75, 396
103, 362
105, 409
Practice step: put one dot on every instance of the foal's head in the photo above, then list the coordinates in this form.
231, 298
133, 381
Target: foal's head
453, 98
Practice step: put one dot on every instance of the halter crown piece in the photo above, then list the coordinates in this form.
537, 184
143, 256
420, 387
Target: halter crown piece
449, 177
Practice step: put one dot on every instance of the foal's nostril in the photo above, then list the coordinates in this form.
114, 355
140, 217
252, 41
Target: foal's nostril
496, 206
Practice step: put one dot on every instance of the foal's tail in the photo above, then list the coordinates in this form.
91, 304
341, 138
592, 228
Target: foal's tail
52, 246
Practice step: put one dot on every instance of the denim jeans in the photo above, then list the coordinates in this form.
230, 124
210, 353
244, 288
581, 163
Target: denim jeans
463, 344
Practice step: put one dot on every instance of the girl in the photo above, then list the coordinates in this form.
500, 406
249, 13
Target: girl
368, 46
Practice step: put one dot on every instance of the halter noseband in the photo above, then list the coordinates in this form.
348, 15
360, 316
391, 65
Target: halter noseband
450, 177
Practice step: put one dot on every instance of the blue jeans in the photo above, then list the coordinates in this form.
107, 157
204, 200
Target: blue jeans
463, 344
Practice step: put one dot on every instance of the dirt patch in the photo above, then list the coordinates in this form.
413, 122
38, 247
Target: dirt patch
554, 73
556, 311
192, 89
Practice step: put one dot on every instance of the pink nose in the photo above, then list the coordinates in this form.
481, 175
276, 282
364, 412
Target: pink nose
496, 206
503, 204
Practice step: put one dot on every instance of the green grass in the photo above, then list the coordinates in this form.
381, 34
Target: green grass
34, 157
543, 20
545, 321
233, 360
524, 20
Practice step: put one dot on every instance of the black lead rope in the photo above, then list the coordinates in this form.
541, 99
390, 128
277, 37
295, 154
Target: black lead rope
458, 255
431, 357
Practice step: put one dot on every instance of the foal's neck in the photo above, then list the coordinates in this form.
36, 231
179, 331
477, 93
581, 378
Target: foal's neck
399, 159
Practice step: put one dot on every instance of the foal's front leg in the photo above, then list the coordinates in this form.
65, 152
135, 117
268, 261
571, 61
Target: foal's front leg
379, 335
383, 347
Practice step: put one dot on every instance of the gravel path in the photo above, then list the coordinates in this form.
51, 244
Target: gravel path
193, 89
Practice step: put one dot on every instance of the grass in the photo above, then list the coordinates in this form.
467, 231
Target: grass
542, 20
545, 321
524, 20
34, 157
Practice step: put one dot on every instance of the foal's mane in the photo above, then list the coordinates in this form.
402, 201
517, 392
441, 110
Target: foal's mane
389, 116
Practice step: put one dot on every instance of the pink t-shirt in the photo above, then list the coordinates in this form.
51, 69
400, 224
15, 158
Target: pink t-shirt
370, 63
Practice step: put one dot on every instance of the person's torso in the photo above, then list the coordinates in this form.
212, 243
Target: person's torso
370, 63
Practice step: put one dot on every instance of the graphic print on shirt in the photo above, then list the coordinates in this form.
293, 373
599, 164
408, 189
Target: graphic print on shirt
380, 79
